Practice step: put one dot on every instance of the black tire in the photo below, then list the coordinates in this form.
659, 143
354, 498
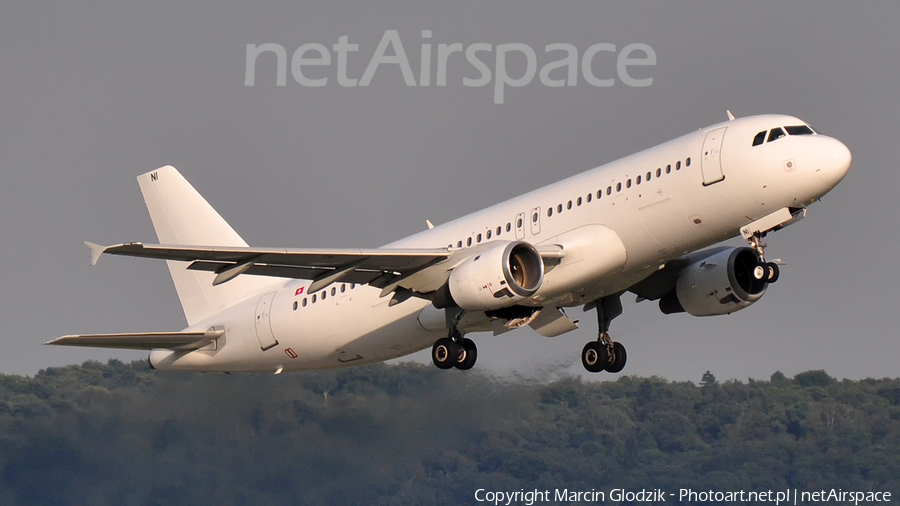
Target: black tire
619, 359
772, 272
444, 353
468, 354
594, 356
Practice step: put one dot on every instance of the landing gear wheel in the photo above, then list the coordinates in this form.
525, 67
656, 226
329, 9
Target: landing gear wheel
594, 356
467, 355
760, 272
772, 272
445, 353
618, 358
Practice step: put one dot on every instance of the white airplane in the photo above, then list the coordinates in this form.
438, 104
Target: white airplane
638, 224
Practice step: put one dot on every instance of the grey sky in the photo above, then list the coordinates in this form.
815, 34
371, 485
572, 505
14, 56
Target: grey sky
94, 93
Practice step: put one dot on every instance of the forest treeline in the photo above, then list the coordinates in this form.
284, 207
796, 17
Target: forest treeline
120, 433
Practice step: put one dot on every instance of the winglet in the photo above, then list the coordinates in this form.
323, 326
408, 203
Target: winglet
96, 251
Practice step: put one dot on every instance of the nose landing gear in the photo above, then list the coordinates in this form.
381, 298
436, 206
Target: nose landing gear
764, 271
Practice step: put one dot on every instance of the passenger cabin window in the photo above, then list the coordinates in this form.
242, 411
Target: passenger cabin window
799, 130
687, 163
549, 212
775, 134
760, 138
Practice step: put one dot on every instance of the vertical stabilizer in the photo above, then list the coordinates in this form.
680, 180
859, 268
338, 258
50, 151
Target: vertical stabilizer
181, 216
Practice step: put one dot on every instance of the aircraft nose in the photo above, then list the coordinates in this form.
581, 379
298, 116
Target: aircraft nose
834, 162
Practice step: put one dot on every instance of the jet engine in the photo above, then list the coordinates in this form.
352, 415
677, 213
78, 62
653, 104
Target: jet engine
498, 277
719, 284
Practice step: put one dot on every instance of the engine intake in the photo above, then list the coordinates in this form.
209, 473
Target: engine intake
720, 284
498, 277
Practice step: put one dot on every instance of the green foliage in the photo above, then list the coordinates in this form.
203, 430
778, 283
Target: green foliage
123, 434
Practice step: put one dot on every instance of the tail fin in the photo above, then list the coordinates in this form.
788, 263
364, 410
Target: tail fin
181, 216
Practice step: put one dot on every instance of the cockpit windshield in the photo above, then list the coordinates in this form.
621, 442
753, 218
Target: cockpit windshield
779, 132
775, 134
799, 130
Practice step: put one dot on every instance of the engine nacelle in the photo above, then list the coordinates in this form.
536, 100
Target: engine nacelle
498, 277
720, 284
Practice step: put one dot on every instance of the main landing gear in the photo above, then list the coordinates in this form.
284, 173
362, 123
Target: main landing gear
454, 350
604, 354
764, 271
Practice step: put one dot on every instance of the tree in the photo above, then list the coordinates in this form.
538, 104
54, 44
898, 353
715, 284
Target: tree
708, 379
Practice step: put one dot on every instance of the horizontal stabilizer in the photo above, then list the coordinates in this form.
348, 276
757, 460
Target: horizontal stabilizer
181, 341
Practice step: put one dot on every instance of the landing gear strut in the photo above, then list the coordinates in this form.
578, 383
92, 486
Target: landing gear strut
454, 350
604, 354
764, 271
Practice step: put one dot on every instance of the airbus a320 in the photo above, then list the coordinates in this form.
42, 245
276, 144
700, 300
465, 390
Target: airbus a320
646, 224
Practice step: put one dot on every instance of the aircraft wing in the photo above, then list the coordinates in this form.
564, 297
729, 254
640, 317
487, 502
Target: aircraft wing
418, 269
181, 341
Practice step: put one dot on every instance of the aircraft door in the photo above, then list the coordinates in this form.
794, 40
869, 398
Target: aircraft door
711, 162
536, 221
263, 322
520, 226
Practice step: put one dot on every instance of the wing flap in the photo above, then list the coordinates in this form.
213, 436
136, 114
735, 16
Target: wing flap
552, 322
182, 341
288, 271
